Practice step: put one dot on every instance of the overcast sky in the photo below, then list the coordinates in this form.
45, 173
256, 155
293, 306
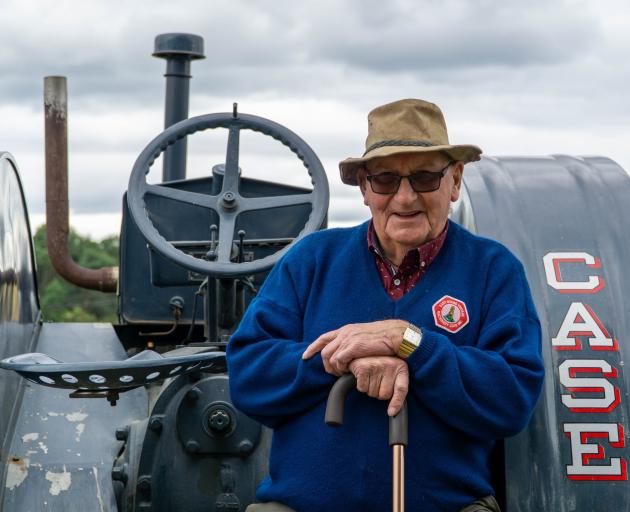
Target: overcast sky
514, 77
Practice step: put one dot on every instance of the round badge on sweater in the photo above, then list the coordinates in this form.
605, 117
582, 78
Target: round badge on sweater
450, 314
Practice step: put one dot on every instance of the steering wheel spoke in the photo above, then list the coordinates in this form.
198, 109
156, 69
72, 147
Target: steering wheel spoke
183, 196
268, 202
230, 180
226, 237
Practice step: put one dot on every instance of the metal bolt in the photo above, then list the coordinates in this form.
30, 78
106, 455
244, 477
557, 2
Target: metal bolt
193, 394
119, 474
192, 446
122, 433
155, 424
219, 421
245, 446
228, 200
144, 484
176, 303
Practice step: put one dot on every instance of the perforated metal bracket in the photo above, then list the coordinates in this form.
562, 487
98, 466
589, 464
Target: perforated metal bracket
108, 379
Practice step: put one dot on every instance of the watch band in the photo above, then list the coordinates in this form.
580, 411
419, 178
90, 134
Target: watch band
412, 338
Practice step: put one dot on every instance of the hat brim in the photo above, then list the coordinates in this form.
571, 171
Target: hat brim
349, 167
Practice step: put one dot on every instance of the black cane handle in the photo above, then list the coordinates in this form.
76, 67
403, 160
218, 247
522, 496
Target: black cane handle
335, 407
337, 399
398, 427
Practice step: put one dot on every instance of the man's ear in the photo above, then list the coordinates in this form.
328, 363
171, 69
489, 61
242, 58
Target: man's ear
458, 172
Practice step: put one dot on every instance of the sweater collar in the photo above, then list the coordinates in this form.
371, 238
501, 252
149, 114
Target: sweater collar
421, 256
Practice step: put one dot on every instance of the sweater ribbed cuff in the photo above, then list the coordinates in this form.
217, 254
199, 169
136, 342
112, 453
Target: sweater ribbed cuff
419, 356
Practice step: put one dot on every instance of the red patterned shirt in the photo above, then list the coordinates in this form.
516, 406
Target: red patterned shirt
399, 280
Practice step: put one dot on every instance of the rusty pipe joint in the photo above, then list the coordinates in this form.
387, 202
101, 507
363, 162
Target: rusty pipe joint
104, 279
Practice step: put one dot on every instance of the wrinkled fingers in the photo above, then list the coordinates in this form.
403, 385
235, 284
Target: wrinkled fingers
319, 344
401, 388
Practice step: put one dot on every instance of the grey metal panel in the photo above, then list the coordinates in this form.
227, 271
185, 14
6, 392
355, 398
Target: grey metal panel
143, 302
19, 308
63, 449
562, 204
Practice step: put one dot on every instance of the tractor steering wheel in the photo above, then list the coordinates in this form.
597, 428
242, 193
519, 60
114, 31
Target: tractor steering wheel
229, 203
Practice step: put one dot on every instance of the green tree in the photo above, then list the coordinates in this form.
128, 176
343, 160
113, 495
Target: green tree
65, 302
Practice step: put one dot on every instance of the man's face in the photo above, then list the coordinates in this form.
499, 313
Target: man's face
406, 219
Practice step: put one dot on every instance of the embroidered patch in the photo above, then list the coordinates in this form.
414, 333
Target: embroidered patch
450, 314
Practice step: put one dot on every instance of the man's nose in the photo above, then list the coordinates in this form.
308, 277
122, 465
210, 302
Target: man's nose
405, 192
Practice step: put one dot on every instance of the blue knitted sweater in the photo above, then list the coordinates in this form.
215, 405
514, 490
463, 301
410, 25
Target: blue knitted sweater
467, 389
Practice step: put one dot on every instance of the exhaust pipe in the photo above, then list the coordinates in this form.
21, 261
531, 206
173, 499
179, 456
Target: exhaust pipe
178, 50
57, 225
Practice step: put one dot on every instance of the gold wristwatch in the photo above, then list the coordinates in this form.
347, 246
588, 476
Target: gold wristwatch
412, 337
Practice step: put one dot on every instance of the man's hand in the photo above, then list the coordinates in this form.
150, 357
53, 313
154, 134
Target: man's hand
384, 377
353, 341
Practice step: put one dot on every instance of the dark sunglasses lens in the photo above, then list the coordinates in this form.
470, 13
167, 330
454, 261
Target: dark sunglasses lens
385, 183
388, 183
425, 181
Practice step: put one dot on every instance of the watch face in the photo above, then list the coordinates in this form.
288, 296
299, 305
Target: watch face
412, 336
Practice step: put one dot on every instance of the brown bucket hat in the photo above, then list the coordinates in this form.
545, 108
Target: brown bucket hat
406, 126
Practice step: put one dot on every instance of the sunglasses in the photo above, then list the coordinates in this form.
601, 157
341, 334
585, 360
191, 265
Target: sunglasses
388, 182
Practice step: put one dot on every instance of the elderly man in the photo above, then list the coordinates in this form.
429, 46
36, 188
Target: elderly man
417, 308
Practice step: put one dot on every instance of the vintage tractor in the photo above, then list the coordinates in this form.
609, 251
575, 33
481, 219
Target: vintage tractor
137, 416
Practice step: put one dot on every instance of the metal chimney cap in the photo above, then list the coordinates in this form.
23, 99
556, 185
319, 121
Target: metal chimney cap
179, 45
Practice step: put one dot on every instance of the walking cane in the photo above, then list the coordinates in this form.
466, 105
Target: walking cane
397, 434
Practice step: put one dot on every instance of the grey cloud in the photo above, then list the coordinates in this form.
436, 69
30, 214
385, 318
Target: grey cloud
427, 35
113, 58
297, 47
535, 65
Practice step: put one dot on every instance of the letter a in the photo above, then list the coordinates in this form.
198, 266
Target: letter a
582, 320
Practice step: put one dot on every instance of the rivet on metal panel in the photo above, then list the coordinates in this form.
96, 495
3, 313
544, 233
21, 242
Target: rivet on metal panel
122, 433
119, 474
193, 394
144, 484
245, 446
192, 446
155, 424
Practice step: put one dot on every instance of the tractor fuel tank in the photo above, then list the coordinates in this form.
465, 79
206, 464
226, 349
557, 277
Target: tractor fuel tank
19, 305
566, 219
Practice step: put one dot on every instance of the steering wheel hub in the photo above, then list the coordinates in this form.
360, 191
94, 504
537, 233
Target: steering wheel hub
228, 201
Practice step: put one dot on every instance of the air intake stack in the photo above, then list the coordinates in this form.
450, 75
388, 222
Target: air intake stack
178, 50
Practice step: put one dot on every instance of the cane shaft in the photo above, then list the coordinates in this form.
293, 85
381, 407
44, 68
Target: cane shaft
399, 478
